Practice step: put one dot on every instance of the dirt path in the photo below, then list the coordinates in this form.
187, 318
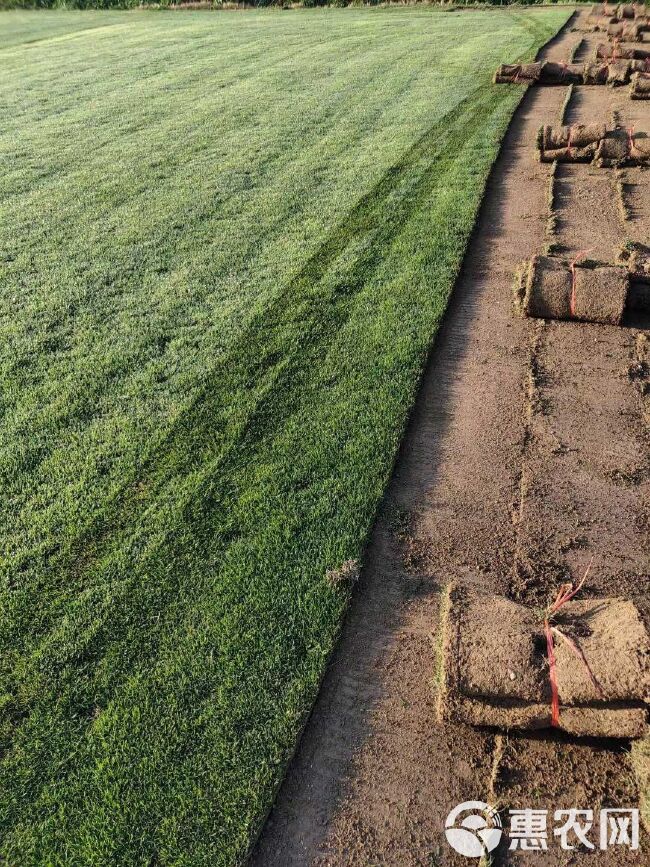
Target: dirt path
526, 453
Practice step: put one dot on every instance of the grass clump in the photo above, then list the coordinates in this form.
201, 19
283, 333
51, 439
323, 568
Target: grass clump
226, 243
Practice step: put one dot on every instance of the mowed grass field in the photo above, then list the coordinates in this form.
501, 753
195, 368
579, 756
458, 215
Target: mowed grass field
226, 243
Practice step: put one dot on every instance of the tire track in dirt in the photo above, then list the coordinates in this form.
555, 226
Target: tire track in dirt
376, 774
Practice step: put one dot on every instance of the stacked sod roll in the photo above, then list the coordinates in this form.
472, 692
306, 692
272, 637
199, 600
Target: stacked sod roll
593, 143
495, 670
614, 71
640, 85
585, 291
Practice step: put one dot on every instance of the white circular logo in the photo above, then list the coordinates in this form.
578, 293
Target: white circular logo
478, 833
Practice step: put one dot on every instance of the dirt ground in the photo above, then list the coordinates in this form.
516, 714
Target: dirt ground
526, 456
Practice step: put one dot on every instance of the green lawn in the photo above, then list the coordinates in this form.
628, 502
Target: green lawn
226, 242
28, 27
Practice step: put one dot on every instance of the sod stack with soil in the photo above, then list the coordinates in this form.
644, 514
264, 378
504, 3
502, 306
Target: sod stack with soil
607, 51
589, 292
577, 143
496, 671
546, 72
640, 85
593, 142
612, 71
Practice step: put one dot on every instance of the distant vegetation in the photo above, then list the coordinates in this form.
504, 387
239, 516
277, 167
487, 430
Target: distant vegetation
131, 4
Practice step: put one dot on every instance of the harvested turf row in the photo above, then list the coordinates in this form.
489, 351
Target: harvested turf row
581, 194
375, 774
635, 194
586, 470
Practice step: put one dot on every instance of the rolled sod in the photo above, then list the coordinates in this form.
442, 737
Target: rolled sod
601, 22
600, 293
571, 154
513, 73
576, 143
627, 32
614, 71
548, 72
548, 289
561, 73
588, 293
597, 143
577, 134
595, 72
640, 85
620, 71
613, 149
606, 51
496, 671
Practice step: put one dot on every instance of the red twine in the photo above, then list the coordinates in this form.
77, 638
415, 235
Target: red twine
565, 594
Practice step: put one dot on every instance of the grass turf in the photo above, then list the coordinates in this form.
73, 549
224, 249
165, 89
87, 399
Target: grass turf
226, 242
31, 26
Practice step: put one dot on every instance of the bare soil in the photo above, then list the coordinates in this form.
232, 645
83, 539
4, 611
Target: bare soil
526, 456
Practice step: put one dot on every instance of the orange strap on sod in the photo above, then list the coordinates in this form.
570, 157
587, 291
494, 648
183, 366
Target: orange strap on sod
565, 594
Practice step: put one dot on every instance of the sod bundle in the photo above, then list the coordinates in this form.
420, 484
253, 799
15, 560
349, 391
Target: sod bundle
618, 72
633, 10
577, 143
601, 22
495, 663
640, 85
627, 32
547, 72
585, 291
597, 143
607, 51
614, 71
